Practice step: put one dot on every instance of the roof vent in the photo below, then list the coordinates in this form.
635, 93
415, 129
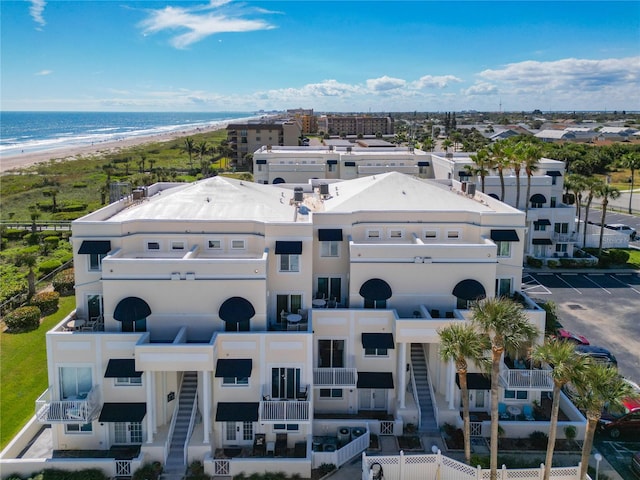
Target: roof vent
348, 149
324, 190
298, 194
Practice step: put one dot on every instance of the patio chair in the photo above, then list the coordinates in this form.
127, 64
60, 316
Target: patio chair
281, 445
527, 411
502, 411
260, 444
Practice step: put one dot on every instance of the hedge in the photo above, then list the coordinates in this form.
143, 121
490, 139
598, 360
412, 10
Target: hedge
14, 233
64, 282
23, 319
47, 302
49, 266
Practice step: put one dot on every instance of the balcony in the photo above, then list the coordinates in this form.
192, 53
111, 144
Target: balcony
285, 409
82, 409
526, 378
334, 377
565, 237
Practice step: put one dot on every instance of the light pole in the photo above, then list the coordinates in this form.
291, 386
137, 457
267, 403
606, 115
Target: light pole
598, 458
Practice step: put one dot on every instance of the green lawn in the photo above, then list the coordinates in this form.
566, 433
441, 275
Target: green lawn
634, 257
23, 372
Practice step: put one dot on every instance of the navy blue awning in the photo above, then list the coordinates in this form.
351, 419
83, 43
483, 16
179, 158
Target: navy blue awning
288, 248
123, 412
476, 381
541, 241
377, 340
542, 221
469, 289
423, 164
375, 289
332, 162
375, 380
237, 412
131, 309
554, 173
261, 162
95, 246
330, 234
349, 164
234, 367
538, 198
122, 367
236, 309
504, 236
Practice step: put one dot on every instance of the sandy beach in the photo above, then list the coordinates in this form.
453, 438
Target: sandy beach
15, 162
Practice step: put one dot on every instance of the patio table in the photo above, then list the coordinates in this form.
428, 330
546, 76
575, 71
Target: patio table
514, 410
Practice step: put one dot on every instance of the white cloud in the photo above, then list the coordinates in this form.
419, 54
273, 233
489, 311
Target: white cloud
385, 83
430, 81
481, 88
197, 23
36, 9
43, 73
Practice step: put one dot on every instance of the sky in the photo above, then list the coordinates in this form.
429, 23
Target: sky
332, 56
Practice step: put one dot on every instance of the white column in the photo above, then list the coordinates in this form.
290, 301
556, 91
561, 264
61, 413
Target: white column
402, 373
206, 404
451, 379
148, 379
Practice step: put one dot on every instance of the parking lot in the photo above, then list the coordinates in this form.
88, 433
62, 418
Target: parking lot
619, 454
604, 307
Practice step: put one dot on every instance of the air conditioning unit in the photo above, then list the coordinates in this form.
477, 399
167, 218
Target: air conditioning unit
471, 189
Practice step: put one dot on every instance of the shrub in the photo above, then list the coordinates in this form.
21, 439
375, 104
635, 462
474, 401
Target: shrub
326, 468
64, 282
552, 263
618, 257
570, 432
23, 319
149, 471
73, 207
47, 302
51, 242
32, 238
49, 266
539, 439
534, 262
14, 233
87, 474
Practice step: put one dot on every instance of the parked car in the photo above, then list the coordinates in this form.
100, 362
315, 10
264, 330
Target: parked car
621, 227
599, 354
628, 421
563, 334
635, 464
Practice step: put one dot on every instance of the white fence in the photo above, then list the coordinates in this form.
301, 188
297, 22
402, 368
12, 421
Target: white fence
342, 455
419, 467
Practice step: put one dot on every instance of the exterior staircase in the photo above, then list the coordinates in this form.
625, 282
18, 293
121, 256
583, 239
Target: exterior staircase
175, 468
427, 421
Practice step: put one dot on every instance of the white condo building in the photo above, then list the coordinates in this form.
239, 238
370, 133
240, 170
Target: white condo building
259, 328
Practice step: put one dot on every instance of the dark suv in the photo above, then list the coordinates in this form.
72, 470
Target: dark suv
614, 424
599, 354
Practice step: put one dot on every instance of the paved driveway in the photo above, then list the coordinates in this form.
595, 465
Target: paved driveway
604, 307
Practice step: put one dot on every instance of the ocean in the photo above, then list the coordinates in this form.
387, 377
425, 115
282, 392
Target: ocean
24, 132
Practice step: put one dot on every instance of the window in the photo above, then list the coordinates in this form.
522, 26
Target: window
375, 352
75, 382
135, 326
330, 249
259, 168
242, 381
287, 303
431, 234
258, 139
289, 427
214, 244
373, 233
517, 394
380, 304
330, 288
330, 393
395, 233
126, 381
153, 245
95, 261
78, 428
561, 227
331, 167
289, 263
561, 247
504, 249
553, 199
503, 286
453, 234
127, 432
285, 382
237, 244
177, 245
330, 353
539, 227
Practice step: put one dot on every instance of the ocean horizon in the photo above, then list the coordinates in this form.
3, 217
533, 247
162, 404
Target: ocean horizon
30, 132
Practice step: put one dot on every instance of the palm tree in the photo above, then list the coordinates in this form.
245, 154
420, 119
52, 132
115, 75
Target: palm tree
460, 343
567, 365
446, 144
500, 161
530, 156
28, 257
607, 192
575, 184
428, 144
202, 149
592, 184
599, 386
631, 161
483, 163
506, 325
515, 162
189, 147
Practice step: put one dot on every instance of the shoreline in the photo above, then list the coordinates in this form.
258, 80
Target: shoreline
13, 163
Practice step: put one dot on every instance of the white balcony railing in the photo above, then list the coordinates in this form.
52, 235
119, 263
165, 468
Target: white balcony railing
334, 377
83, 409
284, 410
519, 379
565, 237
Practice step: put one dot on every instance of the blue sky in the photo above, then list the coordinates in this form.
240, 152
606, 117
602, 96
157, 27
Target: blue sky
119, 55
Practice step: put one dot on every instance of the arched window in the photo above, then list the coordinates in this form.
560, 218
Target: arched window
375, 292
